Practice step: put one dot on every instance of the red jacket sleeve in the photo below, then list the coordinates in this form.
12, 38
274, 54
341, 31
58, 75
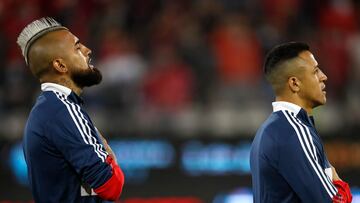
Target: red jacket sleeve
112, 188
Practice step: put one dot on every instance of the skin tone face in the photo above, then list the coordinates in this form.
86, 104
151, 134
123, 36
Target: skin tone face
76, 55
61, 54
312, 82
305, 85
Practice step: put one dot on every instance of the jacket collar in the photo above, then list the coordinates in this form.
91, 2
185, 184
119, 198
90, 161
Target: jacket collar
297, 110
282, 105
48, 86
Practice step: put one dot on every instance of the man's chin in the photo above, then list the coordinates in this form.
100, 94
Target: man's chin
323, 100
320, 102
88, 78
93, 82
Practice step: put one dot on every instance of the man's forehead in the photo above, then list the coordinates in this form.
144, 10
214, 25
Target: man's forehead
308, 57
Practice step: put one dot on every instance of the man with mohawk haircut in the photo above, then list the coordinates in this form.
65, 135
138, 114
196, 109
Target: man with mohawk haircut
68, 160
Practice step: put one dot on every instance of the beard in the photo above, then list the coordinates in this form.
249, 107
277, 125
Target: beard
87, 78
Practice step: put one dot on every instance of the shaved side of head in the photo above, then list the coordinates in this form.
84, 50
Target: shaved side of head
282, 62
280, 75
44, 51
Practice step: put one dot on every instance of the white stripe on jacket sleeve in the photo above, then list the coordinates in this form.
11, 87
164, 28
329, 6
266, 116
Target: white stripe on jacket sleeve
315, 165
87, 139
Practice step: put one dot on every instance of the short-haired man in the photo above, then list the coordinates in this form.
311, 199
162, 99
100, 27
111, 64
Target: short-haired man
288, 161
68, 160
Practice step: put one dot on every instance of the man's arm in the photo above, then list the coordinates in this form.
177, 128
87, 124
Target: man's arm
76, 138
299, 164
107, 147
110, 190
305, 176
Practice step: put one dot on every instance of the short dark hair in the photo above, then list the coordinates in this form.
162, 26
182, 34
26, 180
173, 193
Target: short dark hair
281, 53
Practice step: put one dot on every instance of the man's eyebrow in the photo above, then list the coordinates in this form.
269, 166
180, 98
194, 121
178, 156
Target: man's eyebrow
77, 41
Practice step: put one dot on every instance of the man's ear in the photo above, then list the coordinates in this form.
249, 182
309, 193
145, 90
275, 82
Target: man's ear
294, 84
59, 65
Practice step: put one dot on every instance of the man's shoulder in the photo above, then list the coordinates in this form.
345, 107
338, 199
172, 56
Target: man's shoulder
47, 105
276, 125
274, 133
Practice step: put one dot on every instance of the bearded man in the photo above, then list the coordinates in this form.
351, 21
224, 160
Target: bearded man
68, 160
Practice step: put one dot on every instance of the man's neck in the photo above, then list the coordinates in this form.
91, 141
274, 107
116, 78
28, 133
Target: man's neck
67, 83
297, 102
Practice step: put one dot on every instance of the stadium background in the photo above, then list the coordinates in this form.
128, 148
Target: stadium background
183, 91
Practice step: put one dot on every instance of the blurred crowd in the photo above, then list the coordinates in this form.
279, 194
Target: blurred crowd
187, 68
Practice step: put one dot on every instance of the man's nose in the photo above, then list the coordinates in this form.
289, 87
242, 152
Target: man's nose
86, 50
323, 77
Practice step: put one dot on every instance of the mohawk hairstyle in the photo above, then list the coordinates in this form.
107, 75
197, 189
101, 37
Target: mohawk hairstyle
34, 31
281, 53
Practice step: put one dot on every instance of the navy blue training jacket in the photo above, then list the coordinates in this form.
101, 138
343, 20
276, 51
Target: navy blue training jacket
64, 154
288, 162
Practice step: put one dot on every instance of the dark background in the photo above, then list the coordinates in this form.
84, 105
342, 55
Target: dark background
176, 72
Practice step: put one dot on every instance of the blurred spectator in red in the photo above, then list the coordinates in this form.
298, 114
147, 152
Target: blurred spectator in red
340, 16
337, 23
76, 14
17, 14
352, 110
168, 85
167, 24
14, 16
237, 51
279, 12
122, 68
280, 20
194, 49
